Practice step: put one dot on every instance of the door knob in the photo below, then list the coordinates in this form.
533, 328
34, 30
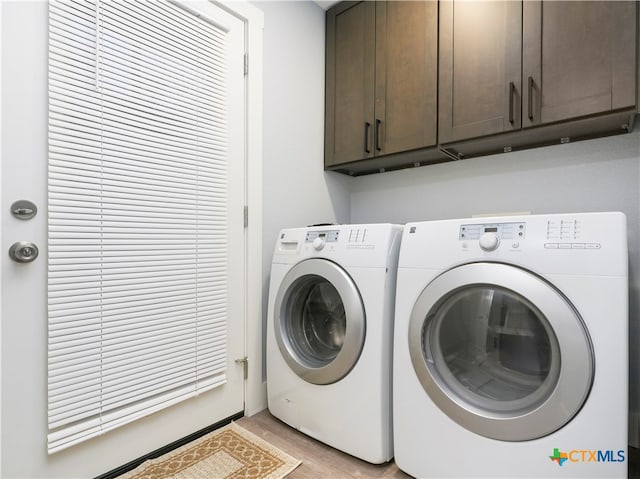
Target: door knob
23, 252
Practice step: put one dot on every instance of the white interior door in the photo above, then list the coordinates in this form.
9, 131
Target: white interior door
23, 175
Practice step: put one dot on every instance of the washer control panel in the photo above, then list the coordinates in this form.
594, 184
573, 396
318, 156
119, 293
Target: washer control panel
328, 236
319, 239
501, 231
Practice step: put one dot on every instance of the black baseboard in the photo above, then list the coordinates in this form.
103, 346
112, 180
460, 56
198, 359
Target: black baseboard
118, 471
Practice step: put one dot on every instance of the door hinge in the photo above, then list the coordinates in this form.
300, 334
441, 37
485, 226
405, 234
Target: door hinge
245, 364
246, 216
246, 64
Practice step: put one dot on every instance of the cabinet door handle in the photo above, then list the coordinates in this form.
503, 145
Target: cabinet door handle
512, 89
378, 123
367, 126
530, 99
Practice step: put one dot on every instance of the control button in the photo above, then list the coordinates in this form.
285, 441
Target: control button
489, 241
593, 246
577, 245
318, 244
551, 245
515, 244
564, 246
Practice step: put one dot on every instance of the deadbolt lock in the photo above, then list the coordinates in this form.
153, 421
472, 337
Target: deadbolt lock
23, 209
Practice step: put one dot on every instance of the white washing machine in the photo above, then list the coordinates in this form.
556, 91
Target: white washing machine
510, 347
329, 335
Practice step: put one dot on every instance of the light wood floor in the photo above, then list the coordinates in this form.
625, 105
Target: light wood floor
319, 461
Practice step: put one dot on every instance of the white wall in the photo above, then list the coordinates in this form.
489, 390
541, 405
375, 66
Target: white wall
593, 175
296, 190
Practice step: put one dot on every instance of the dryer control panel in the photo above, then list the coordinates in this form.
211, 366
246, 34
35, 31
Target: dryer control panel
489, 235
566, 233
572, 243
505, 231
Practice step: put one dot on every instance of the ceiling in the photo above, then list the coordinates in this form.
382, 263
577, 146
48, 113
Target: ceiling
325, 4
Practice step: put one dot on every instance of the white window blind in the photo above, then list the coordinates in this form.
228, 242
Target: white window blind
137, 212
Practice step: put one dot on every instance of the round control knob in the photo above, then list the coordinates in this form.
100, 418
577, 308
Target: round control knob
318, 244
489, 241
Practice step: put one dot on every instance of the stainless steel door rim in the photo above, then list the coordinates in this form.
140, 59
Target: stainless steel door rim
320, 321
515, 417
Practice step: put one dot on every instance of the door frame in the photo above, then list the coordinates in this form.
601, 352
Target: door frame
255, 387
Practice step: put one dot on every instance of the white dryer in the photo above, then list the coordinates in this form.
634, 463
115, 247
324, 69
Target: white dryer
329, 335
511, 348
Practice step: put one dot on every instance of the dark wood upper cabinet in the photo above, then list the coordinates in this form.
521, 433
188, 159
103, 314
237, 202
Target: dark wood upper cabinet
480, 68
511, 65
581, 63
350, 82
410, 83
381, 79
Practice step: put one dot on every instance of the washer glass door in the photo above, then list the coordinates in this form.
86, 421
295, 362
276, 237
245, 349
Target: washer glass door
319, 321
500, 351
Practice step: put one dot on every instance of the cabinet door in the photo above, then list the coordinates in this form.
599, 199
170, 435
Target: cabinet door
406, 76
350, 78
480, 68
579, 59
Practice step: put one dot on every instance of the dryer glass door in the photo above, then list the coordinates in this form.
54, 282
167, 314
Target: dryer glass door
492, 348
319, 321
500, 351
